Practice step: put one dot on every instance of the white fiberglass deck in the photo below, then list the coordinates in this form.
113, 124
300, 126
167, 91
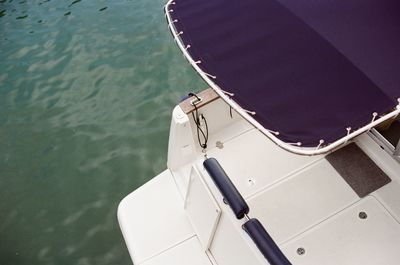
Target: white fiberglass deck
347, 239
303, 202
154, 224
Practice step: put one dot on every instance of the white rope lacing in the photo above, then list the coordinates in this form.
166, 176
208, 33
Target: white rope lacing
273, 132
227, 93
348, 129
249, 111
167, 4
212, 76
374, 115
321, 142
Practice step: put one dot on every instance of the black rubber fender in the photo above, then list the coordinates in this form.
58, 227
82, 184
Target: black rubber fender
228, 190
265, 243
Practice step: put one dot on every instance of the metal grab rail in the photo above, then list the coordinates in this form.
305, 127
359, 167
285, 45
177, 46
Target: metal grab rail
253, 227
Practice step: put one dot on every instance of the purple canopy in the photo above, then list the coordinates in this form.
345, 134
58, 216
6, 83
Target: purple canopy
309, 69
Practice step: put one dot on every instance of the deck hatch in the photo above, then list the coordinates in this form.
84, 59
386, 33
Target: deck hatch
347, 239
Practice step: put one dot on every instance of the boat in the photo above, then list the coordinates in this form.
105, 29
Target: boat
292, 155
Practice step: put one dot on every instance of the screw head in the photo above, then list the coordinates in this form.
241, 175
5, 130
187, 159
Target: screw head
219, 144
362, 215
301, 251
251, 182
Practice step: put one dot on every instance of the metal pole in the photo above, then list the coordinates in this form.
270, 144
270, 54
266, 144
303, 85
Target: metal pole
397, 150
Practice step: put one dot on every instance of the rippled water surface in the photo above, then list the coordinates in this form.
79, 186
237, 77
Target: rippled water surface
86, 92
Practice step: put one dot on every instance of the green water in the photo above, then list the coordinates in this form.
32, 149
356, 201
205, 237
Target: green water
86, 92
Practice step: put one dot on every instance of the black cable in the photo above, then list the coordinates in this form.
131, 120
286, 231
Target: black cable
196, 119
194, 95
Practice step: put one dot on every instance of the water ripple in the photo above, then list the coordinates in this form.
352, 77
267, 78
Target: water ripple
85, 103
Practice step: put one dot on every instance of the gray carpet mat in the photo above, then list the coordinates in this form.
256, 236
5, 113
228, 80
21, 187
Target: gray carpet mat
358, 170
